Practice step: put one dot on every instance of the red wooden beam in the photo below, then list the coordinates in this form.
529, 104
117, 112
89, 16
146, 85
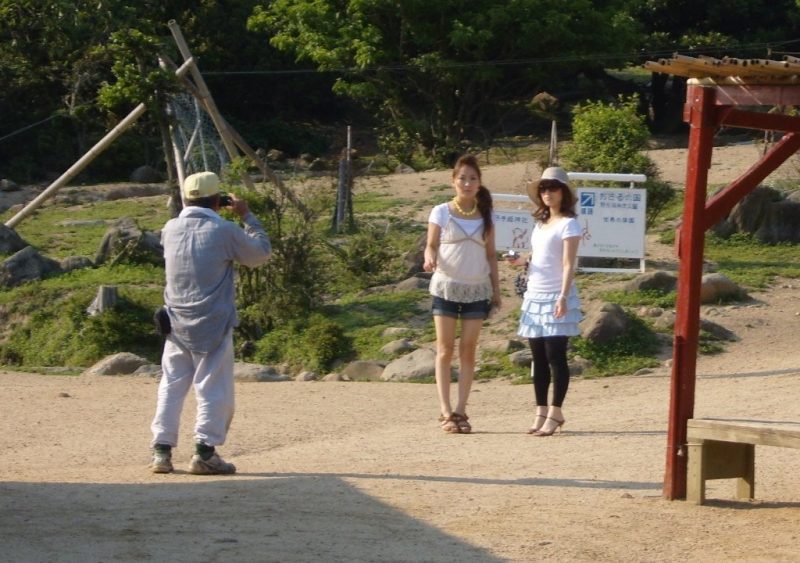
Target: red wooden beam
763, 121
723, 201
703, 122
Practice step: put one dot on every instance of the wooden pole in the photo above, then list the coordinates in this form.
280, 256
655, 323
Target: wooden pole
87, 158
248, 150
700, 113
207, 99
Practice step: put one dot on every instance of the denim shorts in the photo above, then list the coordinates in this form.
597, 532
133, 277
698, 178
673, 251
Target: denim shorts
455, 309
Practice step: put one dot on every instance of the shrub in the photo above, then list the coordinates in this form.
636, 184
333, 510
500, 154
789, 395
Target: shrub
610, 138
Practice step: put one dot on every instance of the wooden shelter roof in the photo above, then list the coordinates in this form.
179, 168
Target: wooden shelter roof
729, 70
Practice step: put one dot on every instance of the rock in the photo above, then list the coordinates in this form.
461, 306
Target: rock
146, 175
504, 346
7, 185
333, 376
364, 370
404, 169
10, 241
413, 283
306, 376
666, 321
123, 363
395, 331
604, 322
243, 371
75, 263
149, 370
715, 288
397, 347
522, 358
275, 155
653, 281
128, 192
26, 265
317, 165
126, 239
419, 364
718, 331
766, 213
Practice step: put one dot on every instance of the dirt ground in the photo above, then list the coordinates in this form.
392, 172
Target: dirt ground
361, 471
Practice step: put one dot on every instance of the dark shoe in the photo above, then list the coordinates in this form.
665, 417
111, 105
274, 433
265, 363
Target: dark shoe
461, 420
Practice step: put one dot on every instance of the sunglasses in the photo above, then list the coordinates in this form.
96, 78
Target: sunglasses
543, 189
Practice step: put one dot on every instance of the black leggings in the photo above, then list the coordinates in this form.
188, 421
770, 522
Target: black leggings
550, 357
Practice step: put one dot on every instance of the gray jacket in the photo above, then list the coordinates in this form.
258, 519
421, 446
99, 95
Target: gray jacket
200, 249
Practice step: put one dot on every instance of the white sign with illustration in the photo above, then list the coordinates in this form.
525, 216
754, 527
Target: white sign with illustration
513, 229
612, 222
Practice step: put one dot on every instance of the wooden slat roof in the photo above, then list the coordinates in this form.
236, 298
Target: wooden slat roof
730, 70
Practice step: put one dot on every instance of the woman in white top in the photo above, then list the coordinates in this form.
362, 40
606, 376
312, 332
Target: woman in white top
461, 252
551, 307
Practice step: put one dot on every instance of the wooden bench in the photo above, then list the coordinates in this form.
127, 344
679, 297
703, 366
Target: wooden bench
726, 449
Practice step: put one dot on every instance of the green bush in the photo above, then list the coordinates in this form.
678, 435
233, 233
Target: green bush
610, 138
313, 344
632, 350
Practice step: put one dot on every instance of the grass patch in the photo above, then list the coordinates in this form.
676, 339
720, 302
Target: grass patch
59, 233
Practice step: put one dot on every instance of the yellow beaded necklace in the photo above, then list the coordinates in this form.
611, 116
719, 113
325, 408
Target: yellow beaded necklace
469, 213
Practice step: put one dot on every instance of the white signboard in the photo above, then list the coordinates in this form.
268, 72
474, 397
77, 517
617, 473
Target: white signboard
513, 229
612, 222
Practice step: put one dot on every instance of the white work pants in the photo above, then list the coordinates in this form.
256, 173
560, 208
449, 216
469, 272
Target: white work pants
212, 377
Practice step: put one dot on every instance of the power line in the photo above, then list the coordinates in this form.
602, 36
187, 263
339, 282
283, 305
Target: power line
31, 126
403, 67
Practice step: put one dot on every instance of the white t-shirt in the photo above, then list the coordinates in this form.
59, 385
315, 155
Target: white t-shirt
546, 270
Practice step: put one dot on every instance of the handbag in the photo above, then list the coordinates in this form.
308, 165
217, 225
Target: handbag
521, 281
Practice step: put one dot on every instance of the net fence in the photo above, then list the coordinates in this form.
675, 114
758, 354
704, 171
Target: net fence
195, 136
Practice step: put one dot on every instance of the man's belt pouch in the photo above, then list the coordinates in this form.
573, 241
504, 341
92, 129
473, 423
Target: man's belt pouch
161, 319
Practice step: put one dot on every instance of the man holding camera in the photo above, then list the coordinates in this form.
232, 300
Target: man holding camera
200, 249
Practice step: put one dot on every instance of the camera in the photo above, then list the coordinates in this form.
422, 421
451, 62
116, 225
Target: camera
225, 200
512, 255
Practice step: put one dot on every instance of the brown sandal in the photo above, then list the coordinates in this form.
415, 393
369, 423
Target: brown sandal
449, 424
461, 421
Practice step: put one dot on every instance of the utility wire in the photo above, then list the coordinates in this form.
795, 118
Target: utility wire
31, 126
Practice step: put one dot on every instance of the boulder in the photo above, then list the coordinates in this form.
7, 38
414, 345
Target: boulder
146, 175
715, 288
768, 214
653, 281
412, 283
398, 347
364, 370
75, 263
126, 239
419, 364
10, 241
243, 371
26, 265
123, 363
7, 185
604, 322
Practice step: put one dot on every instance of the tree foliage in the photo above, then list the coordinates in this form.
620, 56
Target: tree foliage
436, 73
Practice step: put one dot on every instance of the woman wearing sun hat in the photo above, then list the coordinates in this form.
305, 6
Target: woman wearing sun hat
551, 306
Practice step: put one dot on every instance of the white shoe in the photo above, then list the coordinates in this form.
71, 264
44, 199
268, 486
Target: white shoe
214, 465
162, 462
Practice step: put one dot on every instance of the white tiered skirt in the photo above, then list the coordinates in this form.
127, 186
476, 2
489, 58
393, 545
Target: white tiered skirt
538, 315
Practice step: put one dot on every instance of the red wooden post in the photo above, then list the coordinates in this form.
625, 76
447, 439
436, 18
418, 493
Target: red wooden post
702, 116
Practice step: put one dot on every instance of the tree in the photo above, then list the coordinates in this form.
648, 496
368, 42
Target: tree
436, 73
